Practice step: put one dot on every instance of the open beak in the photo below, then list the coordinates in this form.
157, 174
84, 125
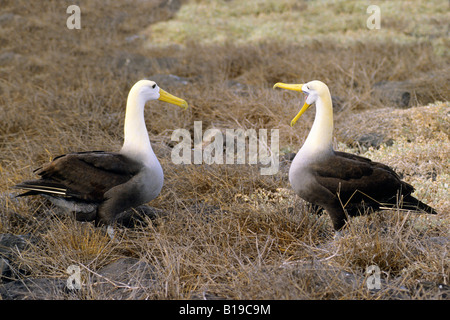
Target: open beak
295, 87
303, 109
167, 97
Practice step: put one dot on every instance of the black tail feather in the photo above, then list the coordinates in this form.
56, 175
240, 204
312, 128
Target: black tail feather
411, 203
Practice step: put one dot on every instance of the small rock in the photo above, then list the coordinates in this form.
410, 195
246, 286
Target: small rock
33, 289
7, 57
238, 88
289, 156
136, 63
6, 18
10, 244
394, 93
126, 278
5, 270
9, 241
443, 241
133, 38
169, 80
372, 139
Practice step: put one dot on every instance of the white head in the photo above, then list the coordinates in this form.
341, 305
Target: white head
148, 90
314, 89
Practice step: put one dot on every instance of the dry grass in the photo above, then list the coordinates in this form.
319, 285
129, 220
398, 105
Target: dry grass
292, 21
224, 230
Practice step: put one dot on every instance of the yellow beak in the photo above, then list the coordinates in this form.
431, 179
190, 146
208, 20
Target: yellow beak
295, 87
167, 97
303, 109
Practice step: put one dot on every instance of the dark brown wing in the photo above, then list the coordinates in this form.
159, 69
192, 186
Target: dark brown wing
83, 175
355, 177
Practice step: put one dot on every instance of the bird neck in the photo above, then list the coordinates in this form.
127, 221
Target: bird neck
319, 140
136, 141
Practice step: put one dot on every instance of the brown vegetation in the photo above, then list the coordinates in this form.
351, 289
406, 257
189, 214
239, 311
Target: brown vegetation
221, 230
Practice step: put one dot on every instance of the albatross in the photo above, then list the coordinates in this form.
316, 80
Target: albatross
99, 185
341, 183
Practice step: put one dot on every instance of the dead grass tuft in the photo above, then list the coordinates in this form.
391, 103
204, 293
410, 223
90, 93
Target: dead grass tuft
225, 231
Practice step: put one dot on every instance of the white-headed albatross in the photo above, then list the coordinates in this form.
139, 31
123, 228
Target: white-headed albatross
336, 180
100, 185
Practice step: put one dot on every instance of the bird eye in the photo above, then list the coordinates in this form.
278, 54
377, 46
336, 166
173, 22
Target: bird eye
154, 86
